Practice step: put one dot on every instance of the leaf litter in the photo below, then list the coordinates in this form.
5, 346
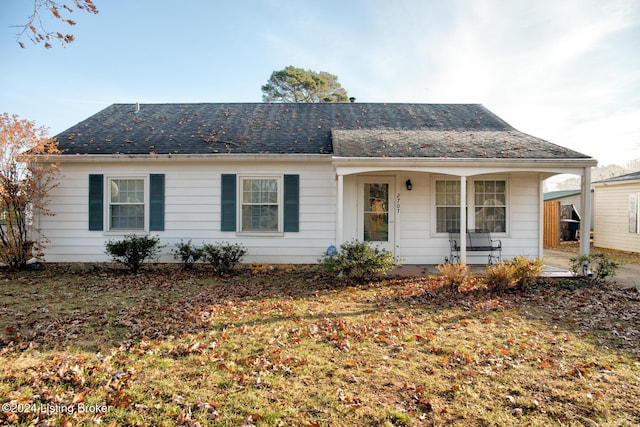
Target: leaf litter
167, 347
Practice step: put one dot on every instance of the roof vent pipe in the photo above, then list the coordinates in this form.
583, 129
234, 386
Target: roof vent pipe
137, 107
352, 99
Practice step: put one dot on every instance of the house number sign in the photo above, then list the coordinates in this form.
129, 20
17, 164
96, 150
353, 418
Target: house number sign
397, 202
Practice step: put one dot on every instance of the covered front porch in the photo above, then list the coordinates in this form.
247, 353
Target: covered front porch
407, 205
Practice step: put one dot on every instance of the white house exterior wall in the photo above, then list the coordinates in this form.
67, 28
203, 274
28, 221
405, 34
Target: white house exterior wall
192, 210
611, 217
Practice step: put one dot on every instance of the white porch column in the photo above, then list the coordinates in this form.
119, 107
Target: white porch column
585, 223
340, 212
463, 219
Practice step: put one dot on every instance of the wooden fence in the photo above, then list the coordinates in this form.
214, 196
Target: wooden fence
551, 234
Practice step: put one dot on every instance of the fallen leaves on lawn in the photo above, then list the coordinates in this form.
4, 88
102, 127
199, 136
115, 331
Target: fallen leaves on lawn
232, 325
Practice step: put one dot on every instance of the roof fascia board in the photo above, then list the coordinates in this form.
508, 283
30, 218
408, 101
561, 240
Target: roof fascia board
462, 167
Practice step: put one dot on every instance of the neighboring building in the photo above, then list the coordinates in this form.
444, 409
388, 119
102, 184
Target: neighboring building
617, 207
289, 180
570, 211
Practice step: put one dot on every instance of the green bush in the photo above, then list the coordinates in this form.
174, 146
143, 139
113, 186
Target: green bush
455, 275
134, 250
223, 257
601, 265
358, 261
187, 254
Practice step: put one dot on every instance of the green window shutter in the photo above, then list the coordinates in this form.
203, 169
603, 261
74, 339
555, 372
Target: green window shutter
96, 202
292, 203
228, 203
156, 202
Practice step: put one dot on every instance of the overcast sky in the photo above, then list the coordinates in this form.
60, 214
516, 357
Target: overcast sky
567, 71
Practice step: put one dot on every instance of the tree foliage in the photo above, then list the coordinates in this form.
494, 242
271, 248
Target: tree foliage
35, 27
298, 85
25, 181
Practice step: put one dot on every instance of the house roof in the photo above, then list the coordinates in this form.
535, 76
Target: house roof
561, 194
341, 129
621, 178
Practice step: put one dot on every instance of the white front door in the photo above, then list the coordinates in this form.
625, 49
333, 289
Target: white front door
376, 219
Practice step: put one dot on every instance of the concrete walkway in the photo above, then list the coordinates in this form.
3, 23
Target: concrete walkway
627, 275
556, 264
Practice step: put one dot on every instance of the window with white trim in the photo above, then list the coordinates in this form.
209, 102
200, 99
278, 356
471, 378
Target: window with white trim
261, 209
447, 205
633, 213
126, 204
490, 205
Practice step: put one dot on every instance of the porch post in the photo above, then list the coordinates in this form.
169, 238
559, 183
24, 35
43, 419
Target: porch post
339, 211
463, 219
585, 223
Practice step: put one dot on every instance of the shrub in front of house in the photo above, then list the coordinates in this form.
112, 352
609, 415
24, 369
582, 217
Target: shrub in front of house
134, 250
358, 261
187, 254
601, 266
526, 271
499, 277
520, 272
223, 257
455, 275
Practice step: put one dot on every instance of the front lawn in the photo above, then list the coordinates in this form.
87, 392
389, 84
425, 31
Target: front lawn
167, 347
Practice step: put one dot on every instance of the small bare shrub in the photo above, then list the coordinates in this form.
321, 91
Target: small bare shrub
260, 268
500, 277
455, 275
520, 272
526, 271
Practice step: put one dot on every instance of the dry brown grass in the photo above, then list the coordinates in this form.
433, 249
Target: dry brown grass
167, 347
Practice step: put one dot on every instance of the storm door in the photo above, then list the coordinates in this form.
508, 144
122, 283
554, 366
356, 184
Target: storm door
376, 221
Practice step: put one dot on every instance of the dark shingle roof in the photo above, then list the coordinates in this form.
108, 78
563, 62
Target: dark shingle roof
446, 144
351, 129
621, 178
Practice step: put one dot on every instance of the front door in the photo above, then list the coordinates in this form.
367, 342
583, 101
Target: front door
376, 222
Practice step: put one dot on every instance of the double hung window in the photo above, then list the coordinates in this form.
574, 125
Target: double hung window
490, 204
126, 204
261, 204
487, 199
447, 205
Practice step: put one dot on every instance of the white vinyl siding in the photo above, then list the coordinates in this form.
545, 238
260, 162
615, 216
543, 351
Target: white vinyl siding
192, 210
613, 216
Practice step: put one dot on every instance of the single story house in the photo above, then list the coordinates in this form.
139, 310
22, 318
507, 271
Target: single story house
289, 180
617, 208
